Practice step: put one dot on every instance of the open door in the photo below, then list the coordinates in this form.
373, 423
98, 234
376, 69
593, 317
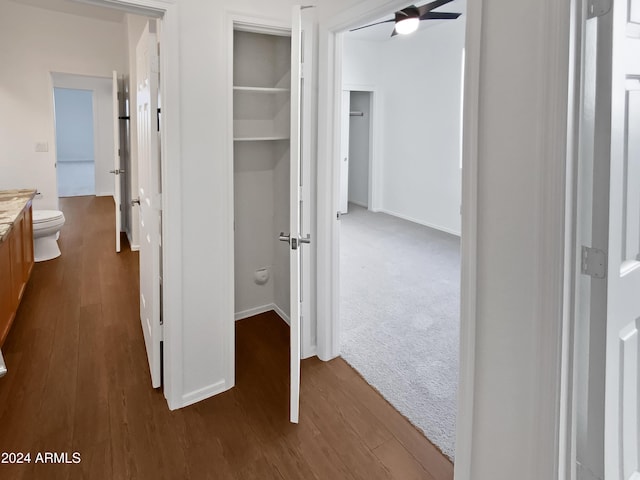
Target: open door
344, 151
299, 204
116, 159
149, 197
622, 407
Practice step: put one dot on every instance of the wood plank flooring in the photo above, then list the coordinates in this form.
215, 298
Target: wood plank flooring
78, 381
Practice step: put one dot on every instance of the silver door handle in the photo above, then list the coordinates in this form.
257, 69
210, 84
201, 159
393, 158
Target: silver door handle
306, 239
134, 201
117, 172
294, 242
3, 367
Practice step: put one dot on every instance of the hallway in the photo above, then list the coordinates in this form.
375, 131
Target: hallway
78, 381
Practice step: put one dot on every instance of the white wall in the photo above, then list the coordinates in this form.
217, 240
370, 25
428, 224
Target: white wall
418, 77
359, 138
38, 42
522, 153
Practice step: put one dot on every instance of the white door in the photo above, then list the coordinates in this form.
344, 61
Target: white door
344, 151
622, 407
116, 159
299, 204
149, 195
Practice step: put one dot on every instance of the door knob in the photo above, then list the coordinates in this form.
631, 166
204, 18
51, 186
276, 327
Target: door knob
306, 239
134, 201
117, 172
294, 242
284, 238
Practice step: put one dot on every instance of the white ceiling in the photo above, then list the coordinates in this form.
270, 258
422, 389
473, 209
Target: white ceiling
76, 8
382, 32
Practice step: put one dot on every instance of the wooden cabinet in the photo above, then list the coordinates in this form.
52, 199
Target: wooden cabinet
16, 263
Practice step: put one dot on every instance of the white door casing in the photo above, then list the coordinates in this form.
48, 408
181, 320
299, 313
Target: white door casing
149, 196
622, 408
344, 152
117, 198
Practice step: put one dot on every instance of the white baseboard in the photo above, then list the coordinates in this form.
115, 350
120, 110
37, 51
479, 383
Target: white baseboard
204, 393
281, 314
311, 352
103, 194
264, 308
420, 222
253, 311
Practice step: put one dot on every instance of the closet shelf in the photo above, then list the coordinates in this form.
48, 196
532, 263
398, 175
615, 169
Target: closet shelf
238, 88
260, 139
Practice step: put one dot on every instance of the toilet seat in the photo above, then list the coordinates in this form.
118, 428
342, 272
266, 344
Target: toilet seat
43, 216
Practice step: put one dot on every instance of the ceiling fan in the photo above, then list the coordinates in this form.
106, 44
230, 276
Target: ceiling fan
407, 19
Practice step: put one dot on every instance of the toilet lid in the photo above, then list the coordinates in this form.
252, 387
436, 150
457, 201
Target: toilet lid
40, 216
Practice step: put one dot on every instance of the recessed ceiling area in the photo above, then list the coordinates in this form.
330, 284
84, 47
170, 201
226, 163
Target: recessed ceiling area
77, 8
382, 32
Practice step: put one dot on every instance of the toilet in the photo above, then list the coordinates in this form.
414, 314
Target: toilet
46, 226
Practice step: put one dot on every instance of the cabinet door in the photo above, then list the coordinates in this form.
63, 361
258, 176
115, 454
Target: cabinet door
27, 242
6, 290
17, 261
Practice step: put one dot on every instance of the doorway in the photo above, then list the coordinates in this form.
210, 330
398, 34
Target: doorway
359, 148
359, 128
84, 134
74, 142
399, 262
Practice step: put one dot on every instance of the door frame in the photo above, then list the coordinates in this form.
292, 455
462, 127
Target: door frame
376, 146
553, 404
171, 167
92, 83
253, 24
329, 132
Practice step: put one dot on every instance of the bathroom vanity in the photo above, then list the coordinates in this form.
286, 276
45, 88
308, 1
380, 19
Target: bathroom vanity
16, 252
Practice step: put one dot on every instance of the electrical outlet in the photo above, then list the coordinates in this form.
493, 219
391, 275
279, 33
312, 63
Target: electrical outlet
42, 147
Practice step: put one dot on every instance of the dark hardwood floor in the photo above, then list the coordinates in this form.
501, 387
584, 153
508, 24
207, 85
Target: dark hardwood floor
78, 381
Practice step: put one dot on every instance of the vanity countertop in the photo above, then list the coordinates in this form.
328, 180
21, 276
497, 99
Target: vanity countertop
12, 202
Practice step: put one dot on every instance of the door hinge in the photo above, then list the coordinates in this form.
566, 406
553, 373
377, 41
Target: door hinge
594, 262
338, 215
598, 8
119, 154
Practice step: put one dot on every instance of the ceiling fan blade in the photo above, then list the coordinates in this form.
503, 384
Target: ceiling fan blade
372, 24
433, 5
439, 16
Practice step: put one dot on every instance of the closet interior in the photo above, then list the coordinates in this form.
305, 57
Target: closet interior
261, 112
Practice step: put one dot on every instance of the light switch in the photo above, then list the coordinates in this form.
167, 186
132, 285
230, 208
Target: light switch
42, 147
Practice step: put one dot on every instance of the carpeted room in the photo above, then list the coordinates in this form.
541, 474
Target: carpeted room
400, 222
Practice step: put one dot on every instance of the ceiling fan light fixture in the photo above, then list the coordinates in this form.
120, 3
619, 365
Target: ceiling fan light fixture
407, 25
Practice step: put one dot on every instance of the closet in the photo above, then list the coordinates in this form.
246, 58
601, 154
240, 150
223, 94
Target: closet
261, 126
